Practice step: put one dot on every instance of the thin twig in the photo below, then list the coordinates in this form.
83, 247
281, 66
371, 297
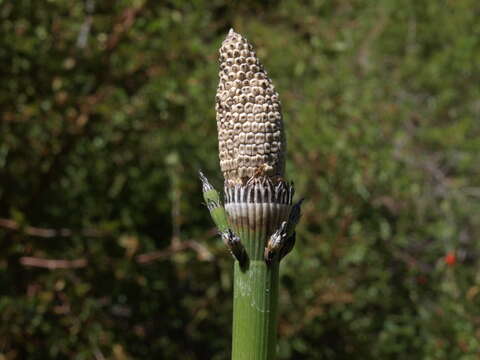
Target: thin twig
122, 25
47, 232
86, 27
53, 264
202, 252
146, 258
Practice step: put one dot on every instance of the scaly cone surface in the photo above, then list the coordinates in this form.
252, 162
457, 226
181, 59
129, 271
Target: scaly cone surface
249, 119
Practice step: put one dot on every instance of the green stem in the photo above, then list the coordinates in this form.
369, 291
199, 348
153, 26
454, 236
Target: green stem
255, 307
255, 291
255, 303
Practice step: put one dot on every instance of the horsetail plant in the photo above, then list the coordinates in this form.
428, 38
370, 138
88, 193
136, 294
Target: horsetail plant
258, 220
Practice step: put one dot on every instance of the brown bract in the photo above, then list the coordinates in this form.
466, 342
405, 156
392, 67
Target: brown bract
249, 119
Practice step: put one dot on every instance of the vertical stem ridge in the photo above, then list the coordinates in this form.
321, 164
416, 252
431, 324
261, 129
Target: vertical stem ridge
255, 311
256, 283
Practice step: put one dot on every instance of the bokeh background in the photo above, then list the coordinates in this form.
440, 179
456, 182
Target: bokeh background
107, 114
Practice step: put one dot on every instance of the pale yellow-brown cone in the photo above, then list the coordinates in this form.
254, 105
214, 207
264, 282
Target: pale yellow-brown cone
249, 119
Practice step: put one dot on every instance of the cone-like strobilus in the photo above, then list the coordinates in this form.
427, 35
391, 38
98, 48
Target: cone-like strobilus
258, 218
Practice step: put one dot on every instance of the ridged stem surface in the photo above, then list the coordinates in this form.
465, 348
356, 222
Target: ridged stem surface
255, 307
254, 215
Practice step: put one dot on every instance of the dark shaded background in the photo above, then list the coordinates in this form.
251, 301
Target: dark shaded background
107, 113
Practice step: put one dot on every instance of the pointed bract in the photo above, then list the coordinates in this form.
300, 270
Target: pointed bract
235, 246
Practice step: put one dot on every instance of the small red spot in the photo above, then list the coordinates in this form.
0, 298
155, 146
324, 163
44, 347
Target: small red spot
450, 259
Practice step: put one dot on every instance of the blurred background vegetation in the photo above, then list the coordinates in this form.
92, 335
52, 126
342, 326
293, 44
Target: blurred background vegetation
107, 113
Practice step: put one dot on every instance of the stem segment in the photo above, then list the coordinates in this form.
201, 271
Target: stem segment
255, 212
257, 223
255, 307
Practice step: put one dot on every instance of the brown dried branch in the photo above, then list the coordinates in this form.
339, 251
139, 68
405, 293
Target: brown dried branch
202, 252
53, 264
122, 25
46, 232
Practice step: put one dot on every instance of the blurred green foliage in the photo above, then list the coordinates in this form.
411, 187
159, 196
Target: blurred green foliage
108, 113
